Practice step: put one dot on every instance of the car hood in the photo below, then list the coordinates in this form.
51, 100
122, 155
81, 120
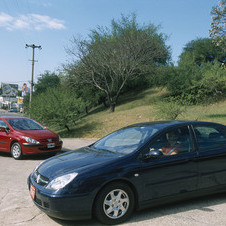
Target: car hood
75, 161
37, 134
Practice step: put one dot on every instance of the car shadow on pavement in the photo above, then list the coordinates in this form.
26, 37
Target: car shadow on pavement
204, 204
32, 157
5, 154
41, 156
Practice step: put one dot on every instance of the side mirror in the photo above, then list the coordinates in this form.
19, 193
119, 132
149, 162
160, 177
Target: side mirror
154, 154
4, 129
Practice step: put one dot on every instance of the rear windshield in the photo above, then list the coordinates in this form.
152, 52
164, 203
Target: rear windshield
24, 124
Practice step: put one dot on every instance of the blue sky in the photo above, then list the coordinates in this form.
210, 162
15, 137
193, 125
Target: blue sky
53, 23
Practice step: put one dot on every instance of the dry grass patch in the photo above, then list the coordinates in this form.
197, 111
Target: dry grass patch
139, 107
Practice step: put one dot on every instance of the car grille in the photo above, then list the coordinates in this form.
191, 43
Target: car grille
48, 149
39, 179
42, 203
48, 140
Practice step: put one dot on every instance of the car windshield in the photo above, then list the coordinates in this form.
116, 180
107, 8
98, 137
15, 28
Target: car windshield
126, 140
24, 124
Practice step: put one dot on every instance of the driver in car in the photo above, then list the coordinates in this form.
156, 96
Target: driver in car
172, 147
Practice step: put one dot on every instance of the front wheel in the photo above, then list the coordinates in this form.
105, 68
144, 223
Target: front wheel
114, 204
16, 151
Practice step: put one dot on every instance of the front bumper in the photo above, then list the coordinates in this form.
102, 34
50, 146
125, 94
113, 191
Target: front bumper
40, 148
76, 207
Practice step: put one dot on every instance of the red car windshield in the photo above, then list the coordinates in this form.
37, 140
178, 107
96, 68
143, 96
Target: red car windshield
24, 124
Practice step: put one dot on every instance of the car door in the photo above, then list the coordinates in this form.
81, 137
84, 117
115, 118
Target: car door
4, 138
170, 174
211, 144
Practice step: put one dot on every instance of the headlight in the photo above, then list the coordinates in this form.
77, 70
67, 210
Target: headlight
30, 140
61, 181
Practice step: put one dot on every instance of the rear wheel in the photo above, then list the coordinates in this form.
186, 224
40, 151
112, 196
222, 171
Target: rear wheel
16, 151
114, 204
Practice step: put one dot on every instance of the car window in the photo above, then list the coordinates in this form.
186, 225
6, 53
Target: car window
126, 140
3, 124
210, 137
24, 124
132, 137
175, 141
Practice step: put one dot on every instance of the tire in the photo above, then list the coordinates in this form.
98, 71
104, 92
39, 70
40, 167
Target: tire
16, 151
114, 203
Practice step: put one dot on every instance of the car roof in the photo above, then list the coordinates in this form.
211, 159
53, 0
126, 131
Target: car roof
171, 123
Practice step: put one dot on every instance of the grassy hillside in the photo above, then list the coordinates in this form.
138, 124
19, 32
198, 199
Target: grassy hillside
135, 108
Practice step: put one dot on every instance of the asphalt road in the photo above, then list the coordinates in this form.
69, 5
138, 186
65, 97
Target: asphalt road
17, 208
4, 112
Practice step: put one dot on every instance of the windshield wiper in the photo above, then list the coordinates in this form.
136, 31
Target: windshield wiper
102, 149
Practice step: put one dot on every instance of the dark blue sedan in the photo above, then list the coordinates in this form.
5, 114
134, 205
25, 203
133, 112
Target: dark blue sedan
138, 166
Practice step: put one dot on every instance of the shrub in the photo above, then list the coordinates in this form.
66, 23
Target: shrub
204, 85
169, 110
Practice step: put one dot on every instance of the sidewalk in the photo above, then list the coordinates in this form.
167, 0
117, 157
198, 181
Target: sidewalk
74, 143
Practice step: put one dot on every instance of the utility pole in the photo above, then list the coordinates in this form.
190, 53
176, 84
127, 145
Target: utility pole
33, 46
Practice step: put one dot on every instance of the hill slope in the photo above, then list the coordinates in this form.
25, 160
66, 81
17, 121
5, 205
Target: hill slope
135, 108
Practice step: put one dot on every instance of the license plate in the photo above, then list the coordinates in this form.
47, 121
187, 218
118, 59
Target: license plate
32, 191
51, 145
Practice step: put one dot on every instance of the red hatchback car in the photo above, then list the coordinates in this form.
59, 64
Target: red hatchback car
21, 136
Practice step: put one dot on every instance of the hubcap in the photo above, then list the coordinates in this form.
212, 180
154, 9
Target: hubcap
116, 204
16, 151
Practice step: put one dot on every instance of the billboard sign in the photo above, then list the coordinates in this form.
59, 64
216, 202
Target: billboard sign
25, 90
9, 90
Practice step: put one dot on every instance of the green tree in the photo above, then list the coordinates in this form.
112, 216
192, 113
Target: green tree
201, 51
218, 27
45, 81
112, 57
57, 107
199, 76
90, 93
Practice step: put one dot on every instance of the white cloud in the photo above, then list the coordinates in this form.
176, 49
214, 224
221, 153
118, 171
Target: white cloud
40, 22
30, 21
21, 23
5, 19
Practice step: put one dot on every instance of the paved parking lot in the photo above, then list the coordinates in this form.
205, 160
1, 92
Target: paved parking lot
17, 208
